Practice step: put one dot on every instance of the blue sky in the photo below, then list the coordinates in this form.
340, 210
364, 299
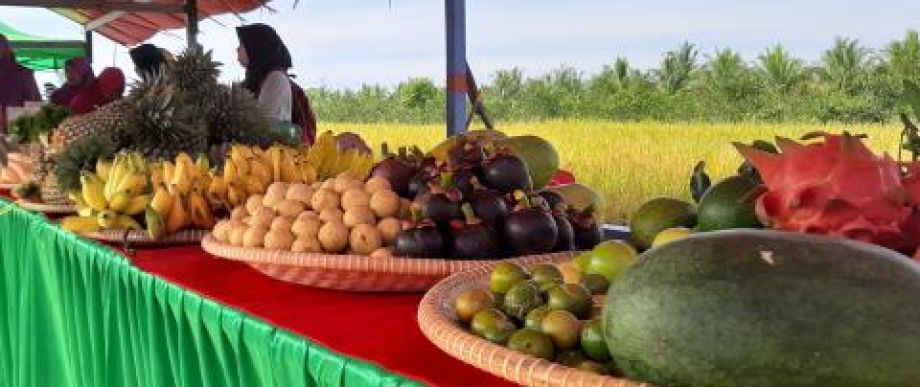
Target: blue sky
347, 43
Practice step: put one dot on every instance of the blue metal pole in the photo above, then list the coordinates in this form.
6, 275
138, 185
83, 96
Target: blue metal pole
455, 12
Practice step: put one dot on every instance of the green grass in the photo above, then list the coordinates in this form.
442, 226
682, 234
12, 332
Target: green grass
629, 163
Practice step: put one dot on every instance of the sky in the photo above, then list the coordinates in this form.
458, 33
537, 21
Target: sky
344, 44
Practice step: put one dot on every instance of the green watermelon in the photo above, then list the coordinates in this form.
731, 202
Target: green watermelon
766, 308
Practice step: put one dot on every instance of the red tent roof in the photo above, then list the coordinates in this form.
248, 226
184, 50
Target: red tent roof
133, 27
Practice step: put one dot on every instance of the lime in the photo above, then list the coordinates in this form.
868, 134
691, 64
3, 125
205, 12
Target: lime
592, 341
505, 275
532, 342
611, 258
491, 324
658, 214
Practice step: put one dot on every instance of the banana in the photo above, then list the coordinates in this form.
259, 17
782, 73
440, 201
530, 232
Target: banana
120, 201
260, 171
253, 185
77, 198
231, 173
156, 226
288, 171
184, 158
80, 224
240, 152
137, 204
276, 158
217, 190
178, 217
103, 168
169, 170
112, 221
156, 175
200, 210
182, 180
307, 172
86, 211
118, 171
133, 184
92, 190
162, 201
242, 166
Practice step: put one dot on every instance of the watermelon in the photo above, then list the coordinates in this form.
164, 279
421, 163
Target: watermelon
766, 308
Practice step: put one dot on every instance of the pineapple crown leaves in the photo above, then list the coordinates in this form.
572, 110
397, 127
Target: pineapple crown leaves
195, 69
81, 155
161, 121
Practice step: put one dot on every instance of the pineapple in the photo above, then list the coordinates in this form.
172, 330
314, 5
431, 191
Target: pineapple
107, 121
160, 125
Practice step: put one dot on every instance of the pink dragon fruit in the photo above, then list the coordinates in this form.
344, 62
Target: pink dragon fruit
837, 187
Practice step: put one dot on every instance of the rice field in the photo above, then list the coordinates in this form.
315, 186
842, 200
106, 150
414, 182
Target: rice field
629, 163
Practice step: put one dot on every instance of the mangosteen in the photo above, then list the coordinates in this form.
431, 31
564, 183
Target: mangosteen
565, 235
471, 239
553, 199
489, 206
506, 173
585, 229
418, 184
397, 169
441, 203
530, 229
419, 240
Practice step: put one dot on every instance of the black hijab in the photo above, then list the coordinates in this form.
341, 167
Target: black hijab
266, 53
148, 59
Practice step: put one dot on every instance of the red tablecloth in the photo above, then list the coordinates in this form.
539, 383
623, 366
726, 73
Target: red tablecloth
377, 327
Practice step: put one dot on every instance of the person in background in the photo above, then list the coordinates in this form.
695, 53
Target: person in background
267, 61
80, 77
48, 89
17, 83
108, 87
148, 60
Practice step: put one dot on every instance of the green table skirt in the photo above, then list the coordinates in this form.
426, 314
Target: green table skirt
76, 313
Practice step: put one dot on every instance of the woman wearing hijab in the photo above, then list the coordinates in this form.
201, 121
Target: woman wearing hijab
80, 77
148, 60
109, 86
267, 61
17, 84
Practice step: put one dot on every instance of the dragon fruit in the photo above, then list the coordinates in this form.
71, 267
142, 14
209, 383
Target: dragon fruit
837, 187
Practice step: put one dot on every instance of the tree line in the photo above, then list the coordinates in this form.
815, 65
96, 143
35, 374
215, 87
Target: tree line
850, 83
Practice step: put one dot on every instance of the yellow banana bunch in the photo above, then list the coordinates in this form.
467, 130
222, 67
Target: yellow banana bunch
329, 162
182, 179
288, 166
103, 168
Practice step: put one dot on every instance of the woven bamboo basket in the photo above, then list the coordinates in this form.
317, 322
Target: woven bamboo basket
142, 238
356, 272
438, 322
48, 208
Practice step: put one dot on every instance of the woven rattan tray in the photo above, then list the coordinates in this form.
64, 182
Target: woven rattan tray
142, 238
437, 320
47, 208
355, 272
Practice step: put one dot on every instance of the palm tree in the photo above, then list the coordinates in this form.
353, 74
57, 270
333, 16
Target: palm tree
677, 67
903, 58
727, 74
845, 64
780, 70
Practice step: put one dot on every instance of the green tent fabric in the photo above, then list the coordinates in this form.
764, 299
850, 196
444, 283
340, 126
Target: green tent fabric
40, 53
75, 313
